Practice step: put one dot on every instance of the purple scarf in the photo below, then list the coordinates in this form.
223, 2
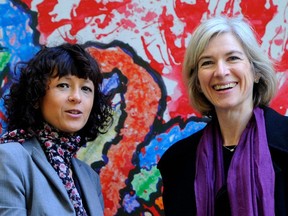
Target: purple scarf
251, 177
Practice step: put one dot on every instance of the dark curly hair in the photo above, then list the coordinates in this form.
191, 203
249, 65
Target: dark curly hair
67, 59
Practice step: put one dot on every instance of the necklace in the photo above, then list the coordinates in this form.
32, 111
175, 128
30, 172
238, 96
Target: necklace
230, 148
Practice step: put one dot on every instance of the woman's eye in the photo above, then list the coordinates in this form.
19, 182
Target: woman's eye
87, 89
233, 58
63, 85
205, 63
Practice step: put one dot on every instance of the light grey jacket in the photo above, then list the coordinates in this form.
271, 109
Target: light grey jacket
30, 186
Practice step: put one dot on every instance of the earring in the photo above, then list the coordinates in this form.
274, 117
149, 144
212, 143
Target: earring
257, 77
36, 106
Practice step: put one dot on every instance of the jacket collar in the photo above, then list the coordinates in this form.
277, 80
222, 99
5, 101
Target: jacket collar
87, 187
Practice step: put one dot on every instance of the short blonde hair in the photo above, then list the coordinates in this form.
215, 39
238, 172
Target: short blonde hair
263, 91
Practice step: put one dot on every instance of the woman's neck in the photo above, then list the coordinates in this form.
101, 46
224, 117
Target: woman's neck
232, 124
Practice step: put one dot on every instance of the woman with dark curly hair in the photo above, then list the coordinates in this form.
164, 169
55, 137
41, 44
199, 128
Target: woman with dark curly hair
54, 108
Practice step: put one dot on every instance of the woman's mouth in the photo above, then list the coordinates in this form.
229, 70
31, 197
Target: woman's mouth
74, 112
225, 86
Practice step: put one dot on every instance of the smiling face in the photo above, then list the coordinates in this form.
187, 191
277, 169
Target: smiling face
67, 103
225, 74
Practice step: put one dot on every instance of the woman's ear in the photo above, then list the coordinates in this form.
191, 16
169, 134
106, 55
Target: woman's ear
257, 74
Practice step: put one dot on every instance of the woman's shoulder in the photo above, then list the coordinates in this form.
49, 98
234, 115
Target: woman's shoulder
13, 156
272, 115
276, 129
12, 148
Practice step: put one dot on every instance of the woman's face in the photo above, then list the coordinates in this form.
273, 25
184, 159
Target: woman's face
225, 74
68, 102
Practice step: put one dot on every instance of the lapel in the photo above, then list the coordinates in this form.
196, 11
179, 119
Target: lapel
38, 156
91, 195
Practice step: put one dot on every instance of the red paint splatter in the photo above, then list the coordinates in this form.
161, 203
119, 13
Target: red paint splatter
259, 17
126, 23
190, 14
278, 42
143, 151
152, 210
279, 103
3, 118
78, 17
150, 16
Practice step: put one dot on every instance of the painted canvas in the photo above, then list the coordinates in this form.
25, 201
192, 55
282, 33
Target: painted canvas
140, 46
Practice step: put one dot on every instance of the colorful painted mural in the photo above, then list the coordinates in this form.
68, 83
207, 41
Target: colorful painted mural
140, 46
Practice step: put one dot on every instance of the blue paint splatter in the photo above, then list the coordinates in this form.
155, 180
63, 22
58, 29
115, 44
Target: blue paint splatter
130, 203
109, 84
17, 35
17, 39
163, 141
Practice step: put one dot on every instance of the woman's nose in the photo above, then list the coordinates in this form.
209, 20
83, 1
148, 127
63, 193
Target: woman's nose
74, 97
221, 69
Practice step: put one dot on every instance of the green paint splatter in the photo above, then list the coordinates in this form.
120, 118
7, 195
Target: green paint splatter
145, 182
4, 59
94, 150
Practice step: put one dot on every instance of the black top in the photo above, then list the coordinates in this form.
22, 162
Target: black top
177, 168
222, 199
227, 157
